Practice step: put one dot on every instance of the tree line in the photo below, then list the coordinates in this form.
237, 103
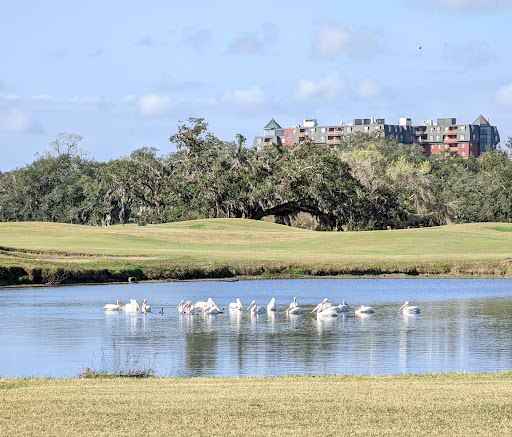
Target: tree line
368, 182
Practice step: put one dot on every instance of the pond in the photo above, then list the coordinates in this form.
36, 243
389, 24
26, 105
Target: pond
464, 325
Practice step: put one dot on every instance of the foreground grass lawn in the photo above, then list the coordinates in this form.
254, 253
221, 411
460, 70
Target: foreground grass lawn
220, 247
405, 405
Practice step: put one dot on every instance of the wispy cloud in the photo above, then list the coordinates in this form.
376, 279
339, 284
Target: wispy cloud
146, 41
96, 53
325, 88
198, 38
18, 121
249, 45
247, 98
42, 97
93, 100
169, 84
331, 40
469, 55
504, 95
154, 105
255, 42
369, 89
470, 5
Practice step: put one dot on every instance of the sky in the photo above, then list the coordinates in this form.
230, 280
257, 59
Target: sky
124, 74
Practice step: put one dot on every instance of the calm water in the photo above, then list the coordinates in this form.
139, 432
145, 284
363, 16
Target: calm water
464, 325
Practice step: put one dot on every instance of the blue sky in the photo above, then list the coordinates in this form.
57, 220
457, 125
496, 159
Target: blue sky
122, 74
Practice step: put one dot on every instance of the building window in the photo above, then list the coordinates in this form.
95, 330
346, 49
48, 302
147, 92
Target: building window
474, 137
462, 153
349, 129
462, 128
322, 130
446, 146
461, 137
322, 139
439, 146
367, 128
433, 146
431, 137
495, 137
259, 140
288, 137
431, 129
438, 138
438, 128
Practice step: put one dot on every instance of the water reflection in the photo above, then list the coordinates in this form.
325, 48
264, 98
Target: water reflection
58, 331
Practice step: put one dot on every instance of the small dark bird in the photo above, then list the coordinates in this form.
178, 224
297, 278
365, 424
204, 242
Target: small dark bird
161, 311
420, 47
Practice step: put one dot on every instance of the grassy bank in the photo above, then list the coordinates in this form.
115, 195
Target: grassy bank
55, 253
426, 405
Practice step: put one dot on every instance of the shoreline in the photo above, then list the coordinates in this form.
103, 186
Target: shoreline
263, 278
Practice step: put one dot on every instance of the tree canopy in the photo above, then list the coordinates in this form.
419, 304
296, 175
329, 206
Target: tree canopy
368, 182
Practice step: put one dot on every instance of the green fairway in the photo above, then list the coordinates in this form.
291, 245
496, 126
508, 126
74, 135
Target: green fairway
226, 247
403, 405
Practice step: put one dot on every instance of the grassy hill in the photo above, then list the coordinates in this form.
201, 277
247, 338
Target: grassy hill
53, 252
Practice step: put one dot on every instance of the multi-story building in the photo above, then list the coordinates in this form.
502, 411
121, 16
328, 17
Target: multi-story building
443, 136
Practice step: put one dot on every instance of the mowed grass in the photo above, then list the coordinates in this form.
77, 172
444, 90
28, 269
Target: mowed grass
472, 248
405, 405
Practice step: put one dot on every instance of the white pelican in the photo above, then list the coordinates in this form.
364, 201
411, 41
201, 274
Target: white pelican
294, 308
145, 307
114, 306
237, 306
406, 309
132, 307
272, 305
325, 309
363, 310
180, 306
255, 309
211, 309
342, 307
201, 305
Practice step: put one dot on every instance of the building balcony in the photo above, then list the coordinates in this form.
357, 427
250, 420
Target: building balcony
334, 141
450, 140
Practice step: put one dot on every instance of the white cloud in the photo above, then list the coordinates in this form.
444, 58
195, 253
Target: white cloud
332, 40
368, 89
93, 99
471, 54
15, 120
153, 105
504, 95
254, 96
42, 97
470, 5
326, 88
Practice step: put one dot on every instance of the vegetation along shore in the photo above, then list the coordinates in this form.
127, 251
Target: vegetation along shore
53, 253
401, 405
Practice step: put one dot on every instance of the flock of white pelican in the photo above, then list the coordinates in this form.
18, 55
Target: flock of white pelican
323, 309
132, 307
